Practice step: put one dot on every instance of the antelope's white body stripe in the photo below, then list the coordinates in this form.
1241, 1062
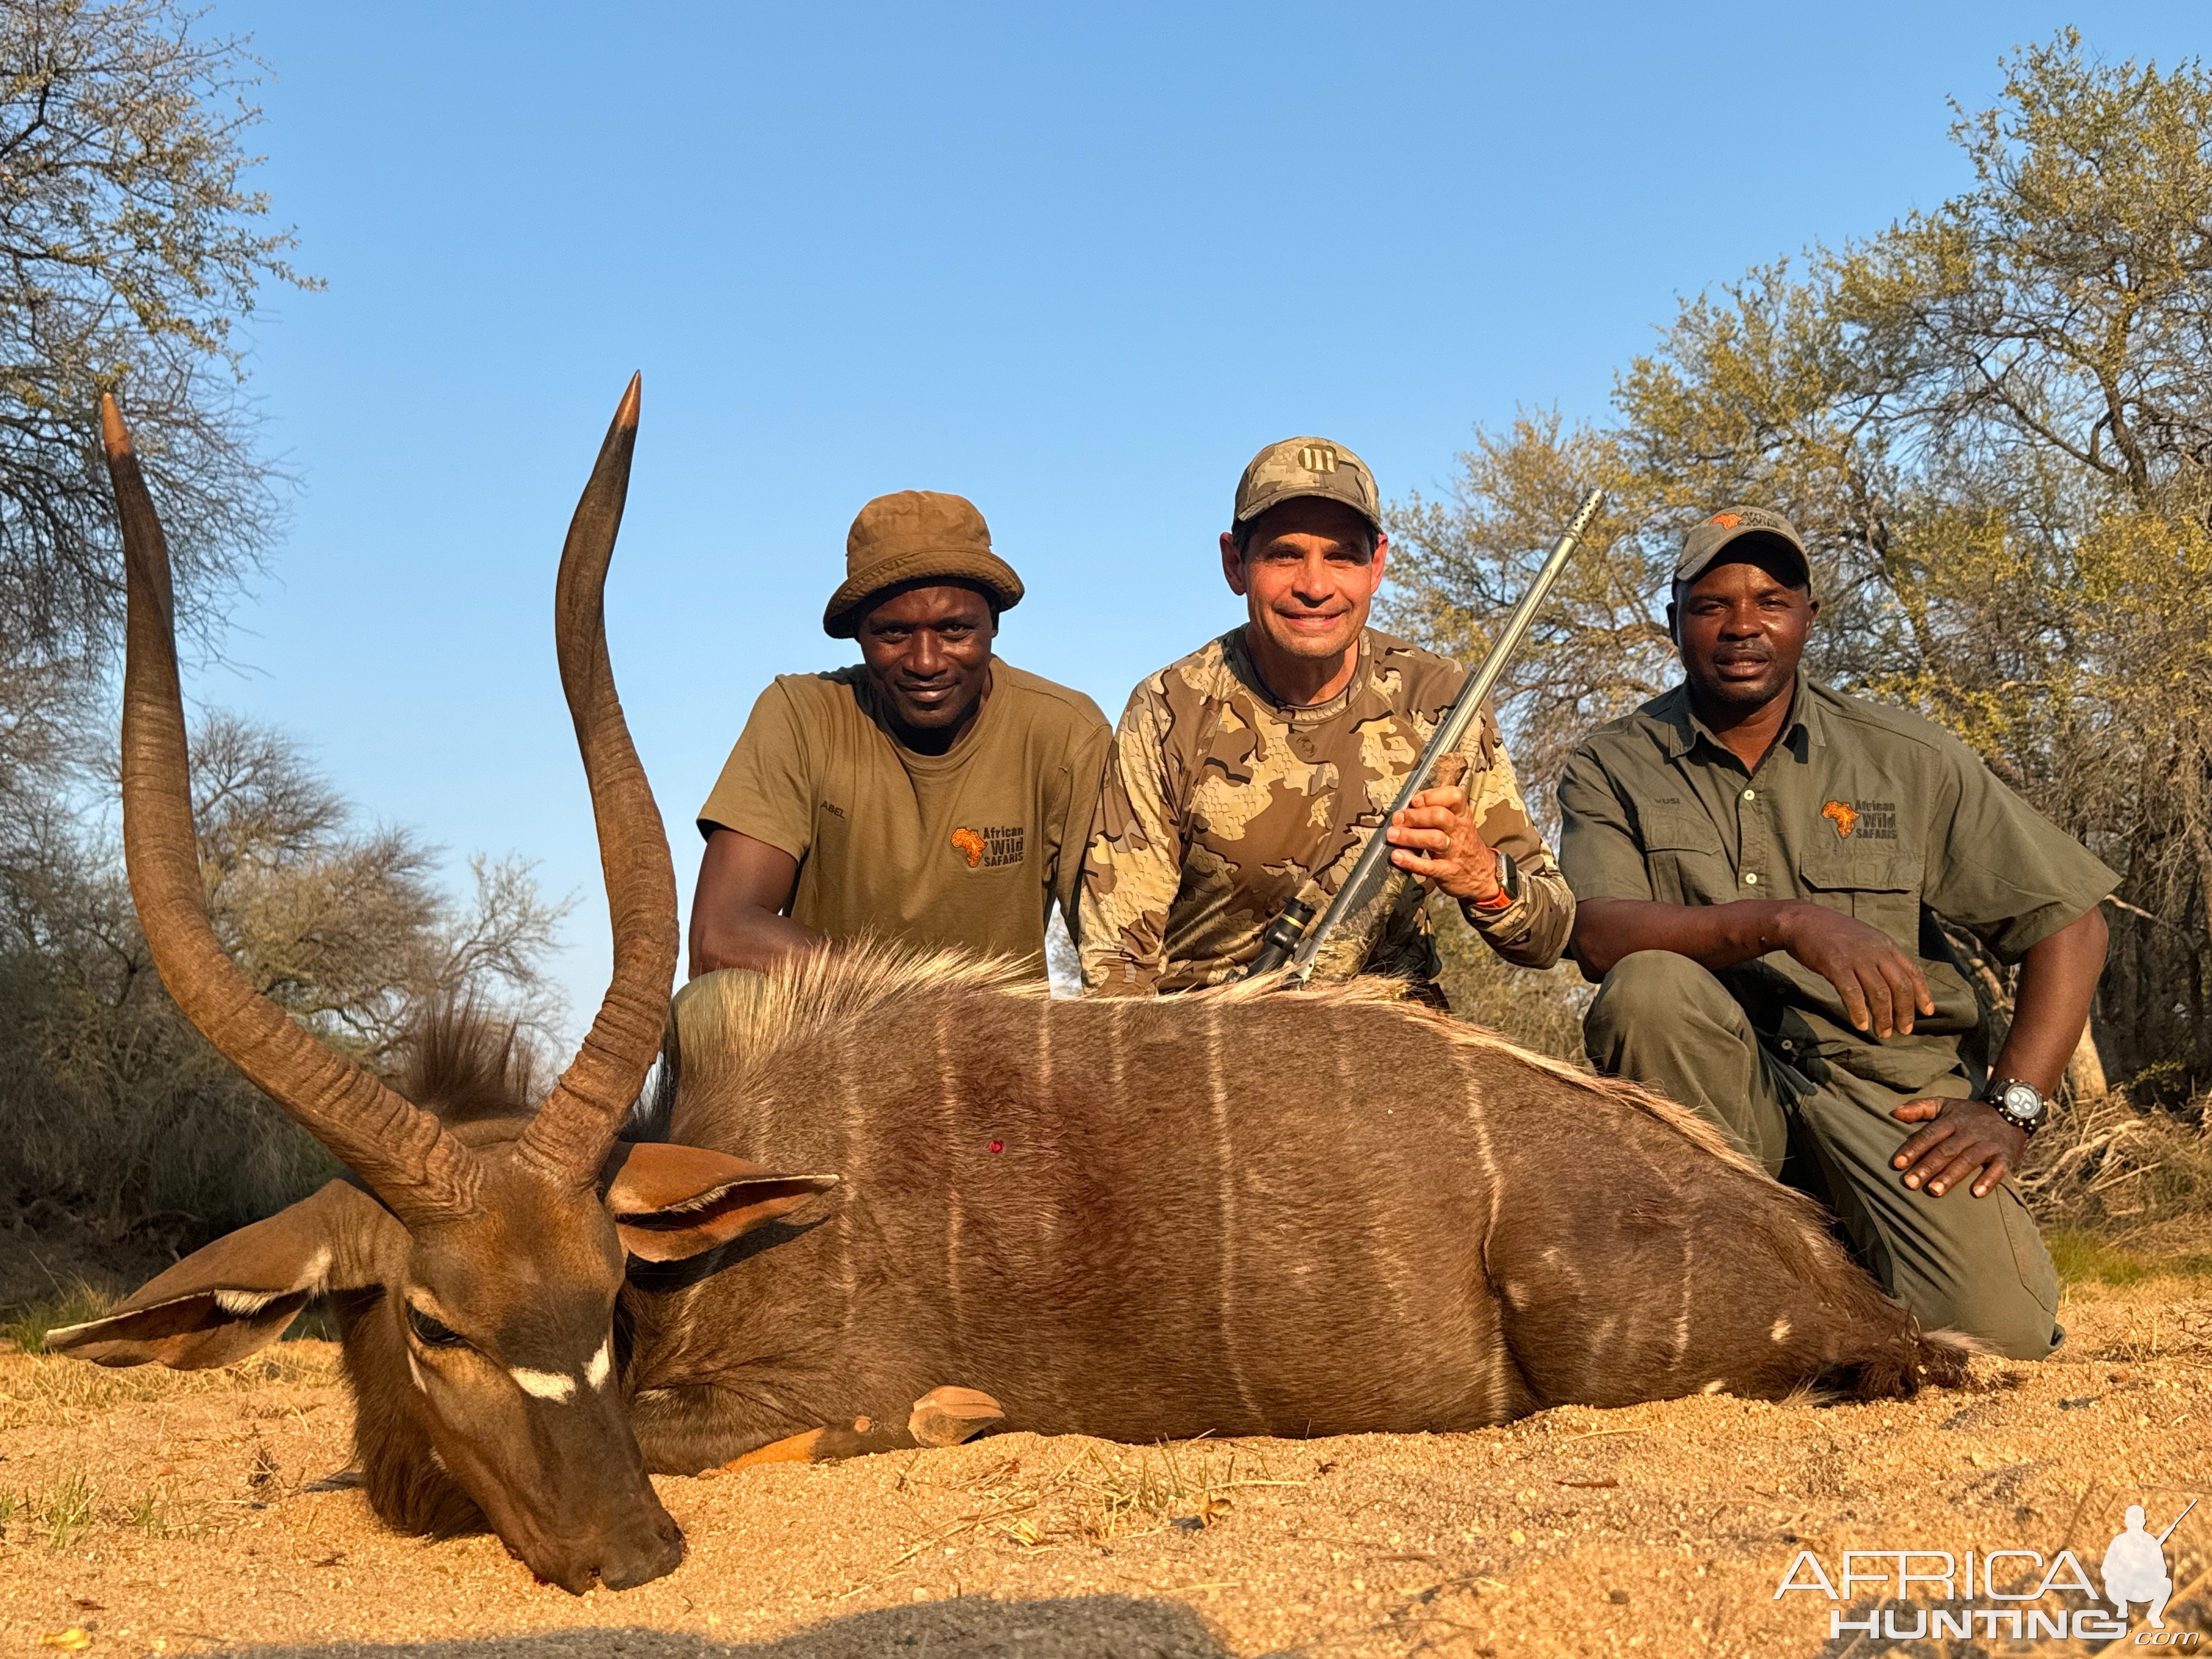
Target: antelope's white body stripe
542, 1385
601, 1365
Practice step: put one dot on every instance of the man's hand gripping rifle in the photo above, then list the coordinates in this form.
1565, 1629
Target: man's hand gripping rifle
1289, 938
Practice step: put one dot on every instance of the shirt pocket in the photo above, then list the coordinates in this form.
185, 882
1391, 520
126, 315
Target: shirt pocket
1880, 889
1684, 859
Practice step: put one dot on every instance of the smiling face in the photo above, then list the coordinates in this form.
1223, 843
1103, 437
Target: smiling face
1741, 627
1308, 572
927, 649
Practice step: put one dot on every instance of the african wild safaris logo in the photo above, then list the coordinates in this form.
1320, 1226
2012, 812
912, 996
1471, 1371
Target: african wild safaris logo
2010, 1595
1868, 820
991, 847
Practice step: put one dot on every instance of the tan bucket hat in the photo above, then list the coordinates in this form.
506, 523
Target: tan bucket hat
911, 536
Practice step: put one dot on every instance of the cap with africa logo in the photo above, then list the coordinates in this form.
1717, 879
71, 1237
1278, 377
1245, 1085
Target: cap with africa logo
1307, 466
1702, 547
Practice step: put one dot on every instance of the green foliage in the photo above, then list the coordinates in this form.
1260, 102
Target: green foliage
27, 1324
65, 1511
135, 247
114, 1112
1542, 1012
1993, 425
2083, 1257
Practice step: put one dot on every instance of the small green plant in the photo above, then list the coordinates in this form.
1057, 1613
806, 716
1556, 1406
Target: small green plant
67, 1511
156, 1513
26, 1324
2084, 1258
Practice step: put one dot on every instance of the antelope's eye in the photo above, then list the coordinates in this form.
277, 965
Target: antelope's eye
430, 1333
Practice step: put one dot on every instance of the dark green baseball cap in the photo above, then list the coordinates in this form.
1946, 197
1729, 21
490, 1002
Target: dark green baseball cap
1703, 546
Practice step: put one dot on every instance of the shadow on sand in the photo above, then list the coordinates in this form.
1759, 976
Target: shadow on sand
1063, 1628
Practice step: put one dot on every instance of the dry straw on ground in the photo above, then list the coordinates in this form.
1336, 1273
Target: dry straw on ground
167, 1514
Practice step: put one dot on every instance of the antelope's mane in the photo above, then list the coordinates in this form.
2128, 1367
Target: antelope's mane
465, 1066
728, 1028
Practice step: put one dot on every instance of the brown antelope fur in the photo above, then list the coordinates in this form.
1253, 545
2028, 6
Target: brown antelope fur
1234, 1212
476, 1257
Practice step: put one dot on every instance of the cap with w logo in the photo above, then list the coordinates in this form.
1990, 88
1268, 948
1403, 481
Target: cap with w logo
1307, 466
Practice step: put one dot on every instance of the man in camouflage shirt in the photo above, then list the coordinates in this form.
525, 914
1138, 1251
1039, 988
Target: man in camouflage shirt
1252, 772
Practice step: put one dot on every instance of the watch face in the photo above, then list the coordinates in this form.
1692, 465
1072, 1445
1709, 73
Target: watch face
2022, 1102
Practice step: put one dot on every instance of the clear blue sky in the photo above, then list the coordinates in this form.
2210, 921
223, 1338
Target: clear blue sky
1074, 263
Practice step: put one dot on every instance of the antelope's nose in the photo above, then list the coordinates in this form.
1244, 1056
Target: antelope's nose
657, 1552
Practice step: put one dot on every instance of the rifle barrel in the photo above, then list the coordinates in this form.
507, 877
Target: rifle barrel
2178, 1520
1369, 872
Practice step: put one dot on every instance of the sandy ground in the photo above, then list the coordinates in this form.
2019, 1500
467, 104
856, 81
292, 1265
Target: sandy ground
154, 1513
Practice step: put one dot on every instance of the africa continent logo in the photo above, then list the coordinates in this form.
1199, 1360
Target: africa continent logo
969, 843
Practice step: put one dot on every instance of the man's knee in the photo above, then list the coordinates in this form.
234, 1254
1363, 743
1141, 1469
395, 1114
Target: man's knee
2006, 1295
2011, 1321
1648, 985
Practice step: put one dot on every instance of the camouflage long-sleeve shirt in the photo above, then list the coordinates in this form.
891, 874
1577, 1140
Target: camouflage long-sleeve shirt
1221, 805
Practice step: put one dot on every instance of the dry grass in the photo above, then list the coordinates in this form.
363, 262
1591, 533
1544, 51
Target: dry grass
66, 1514
27, 1322
40, 1392
2108, 1168
1102, 1494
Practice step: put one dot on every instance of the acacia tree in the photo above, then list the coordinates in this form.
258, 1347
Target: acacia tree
111, 1105
1993, 423
131, 249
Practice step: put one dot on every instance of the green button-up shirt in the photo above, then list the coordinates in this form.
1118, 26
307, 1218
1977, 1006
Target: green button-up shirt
1858, 807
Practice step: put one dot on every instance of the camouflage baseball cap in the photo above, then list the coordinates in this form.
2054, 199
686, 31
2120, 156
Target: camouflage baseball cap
1307, 466
912, 537
1703, 545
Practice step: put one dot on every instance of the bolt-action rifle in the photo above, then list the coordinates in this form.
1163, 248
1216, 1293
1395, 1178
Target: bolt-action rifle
1289, 938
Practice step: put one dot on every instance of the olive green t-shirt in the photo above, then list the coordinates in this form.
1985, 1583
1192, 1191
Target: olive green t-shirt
1858, 807
968, 849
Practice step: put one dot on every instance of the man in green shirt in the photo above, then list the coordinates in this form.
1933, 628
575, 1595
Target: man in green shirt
933, 794
1760, 864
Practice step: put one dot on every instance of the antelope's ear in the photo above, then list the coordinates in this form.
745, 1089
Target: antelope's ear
669, 1202
221, 1304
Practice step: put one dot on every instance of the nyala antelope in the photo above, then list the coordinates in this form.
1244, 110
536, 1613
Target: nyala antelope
1236, 1213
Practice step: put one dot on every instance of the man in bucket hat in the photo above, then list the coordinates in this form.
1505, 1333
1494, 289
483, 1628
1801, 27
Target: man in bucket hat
1252, 771
933, 793
1761, 865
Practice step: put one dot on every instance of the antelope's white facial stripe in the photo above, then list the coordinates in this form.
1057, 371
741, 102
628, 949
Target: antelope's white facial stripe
542, 1385
601, 1365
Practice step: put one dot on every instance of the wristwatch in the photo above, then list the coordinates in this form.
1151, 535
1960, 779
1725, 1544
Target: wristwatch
2020, 1104
1509, 886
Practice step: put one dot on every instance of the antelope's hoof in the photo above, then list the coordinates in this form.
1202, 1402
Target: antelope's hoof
946, 1416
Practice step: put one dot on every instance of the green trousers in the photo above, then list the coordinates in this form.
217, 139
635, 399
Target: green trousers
1959, 1262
